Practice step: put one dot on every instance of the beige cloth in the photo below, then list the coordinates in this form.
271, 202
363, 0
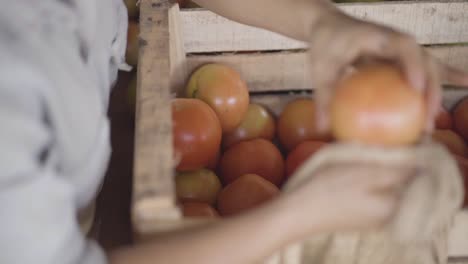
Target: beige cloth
419, 231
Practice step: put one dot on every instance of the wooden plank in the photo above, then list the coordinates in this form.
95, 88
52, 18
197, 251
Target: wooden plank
153, 189
288, 70
431, 22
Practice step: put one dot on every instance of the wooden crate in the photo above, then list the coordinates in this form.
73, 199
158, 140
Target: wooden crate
174, 42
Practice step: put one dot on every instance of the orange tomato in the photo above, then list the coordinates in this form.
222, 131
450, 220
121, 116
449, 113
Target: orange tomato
297, 123
375, 105
257, 123
196, 133
257, 156
131, 54
197, 186
199, 210
300, 154
222, 88
246, 192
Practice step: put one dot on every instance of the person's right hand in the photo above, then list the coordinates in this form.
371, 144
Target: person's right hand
347, 197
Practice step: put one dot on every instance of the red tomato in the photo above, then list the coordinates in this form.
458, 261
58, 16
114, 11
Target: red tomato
257, 123
196, 133
223, 89
197, 186
300, 154
443, 119
375, 105
297, 123
460, 118
246, 192
451, 140
199, 210
257, 156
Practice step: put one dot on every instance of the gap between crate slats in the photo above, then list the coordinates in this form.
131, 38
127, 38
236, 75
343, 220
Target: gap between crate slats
288, 70
431, 22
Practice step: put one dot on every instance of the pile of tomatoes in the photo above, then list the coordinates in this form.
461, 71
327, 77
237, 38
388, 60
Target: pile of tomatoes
233, 154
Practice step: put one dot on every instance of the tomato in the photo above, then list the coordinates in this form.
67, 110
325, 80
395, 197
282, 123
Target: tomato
297, 123
460, 118
246, 192
257, 123
197, 186
443, 119
300, 154
257, 156
375, 105
213, 164
196, 133
223, 89
131, 54
451, 140
199, 210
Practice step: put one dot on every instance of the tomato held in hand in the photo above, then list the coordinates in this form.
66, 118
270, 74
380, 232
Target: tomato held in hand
196, 133
197, 186
375, 105
300, 154
223, 89
199, 210
257, 156
257, 123
297, 123
131, 54
246, 192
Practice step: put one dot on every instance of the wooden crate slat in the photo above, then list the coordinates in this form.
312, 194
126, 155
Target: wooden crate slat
153, 194
288, 70
431, 22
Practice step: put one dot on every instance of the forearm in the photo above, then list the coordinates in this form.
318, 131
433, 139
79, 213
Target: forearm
243, 239
292, 18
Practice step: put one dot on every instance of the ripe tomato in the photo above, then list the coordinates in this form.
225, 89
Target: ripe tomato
257, 123
300, 154
132, 43
443, 119
197, 186
196, 133
451, 140
297, 123
223, 89
257, 156
199, 210
375, 105
246, 192
460, 118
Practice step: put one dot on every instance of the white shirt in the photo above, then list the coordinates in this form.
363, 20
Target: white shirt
58, 60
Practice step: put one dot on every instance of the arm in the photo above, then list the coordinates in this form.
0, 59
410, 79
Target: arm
250, 237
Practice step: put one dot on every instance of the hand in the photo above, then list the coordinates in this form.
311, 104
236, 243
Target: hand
347, 197
339, 42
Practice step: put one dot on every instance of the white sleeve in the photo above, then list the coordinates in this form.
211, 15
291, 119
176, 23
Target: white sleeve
37, 207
